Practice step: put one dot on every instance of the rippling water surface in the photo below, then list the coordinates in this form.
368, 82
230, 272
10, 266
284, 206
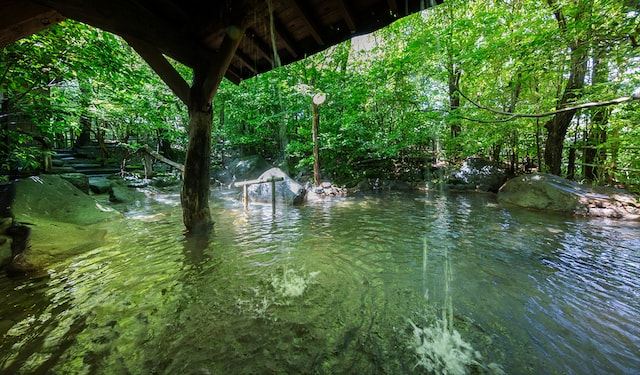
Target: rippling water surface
334, 287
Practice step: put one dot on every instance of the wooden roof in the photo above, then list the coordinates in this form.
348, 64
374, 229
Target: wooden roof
191, 31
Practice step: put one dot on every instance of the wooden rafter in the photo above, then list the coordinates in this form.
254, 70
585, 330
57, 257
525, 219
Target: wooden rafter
245, 61
284, 37
346, 15
24, 19
261, 47
306, 19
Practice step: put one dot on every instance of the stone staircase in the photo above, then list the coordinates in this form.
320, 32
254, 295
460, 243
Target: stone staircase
85, 160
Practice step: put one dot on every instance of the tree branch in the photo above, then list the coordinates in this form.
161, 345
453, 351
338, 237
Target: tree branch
624, 99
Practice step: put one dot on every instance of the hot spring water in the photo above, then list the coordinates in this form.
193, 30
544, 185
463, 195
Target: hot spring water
389, 283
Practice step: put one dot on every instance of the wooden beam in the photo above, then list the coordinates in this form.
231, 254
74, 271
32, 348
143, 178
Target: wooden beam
245, 61
306, 19
21, 19
284, 36
233, 76
257, 181
260, 46
217, 68
346, 15
163, 159
162, 67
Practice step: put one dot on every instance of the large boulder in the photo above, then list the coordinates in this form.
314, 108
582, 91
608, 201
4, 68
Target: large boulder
53, 198
553, 193
58, 220
477, 174
243, 168
287, 190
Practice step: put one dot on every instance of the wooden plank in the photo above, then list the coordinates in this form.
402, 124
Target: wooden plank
258, 181
20, 20
156, 155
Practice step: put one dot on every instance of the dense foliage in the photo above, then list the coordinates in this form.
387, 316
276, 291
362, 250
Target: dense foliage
467, 78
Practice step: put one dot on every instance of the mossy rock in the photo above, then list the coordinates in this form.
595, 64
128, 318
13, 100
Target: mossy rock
52, 198
63, 220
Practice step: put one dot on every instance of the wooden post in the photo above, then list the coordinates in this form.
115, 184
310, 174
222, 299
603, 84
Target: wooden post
273, 195
315, 116
245, 196
245, 192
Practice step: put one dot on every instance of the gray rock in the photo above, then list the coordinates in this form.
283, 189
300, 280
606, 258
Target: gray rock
287, 190
477, 174
247, 168
166, 181
553, 193
53, 198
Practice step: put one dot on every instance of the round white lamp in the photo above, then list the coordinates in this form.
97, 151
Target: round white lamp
319, 98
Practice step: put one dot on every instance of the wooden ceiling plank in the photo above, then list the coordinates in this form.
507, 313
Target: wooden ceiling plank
20, 20
393, 6
346, 15
260, 46
245, 61
162, 67
306, 19
285, 37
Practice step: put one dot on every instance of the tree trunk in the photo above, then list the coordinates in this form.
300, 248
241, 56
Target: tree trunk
454, 100
84, 139
208, 72
315, 118
597, 133
194, 195
558, 125
571, 166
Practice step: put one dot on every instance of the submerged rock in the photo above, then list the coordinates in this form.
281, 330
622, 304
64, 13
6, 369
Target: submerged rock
553, 193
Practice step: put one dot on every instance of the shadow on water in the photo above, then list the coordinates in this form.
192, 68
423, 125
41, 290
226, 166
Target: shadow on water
330, 287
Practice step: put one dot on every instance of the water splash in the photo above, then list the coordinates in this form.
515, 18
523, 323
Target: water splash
438, 347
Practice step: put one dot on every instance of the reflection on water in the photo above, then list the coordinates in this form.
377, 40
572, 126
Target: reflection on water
331, 287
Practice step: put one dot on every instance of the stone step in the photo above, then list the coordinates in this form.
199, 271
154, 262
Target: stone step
62, 156
98, 171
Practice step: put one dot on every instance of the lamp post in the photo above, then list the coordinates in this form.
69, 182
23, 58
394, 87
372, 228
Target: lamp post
315, 119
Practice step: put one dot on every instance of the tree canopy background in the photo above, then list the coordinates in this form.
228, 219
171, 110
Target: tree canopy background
466, 78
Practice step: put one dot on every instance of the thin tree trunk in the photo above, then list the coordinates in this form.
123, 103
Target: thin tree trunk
571, 166
597, 133
515, 96
558, 125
